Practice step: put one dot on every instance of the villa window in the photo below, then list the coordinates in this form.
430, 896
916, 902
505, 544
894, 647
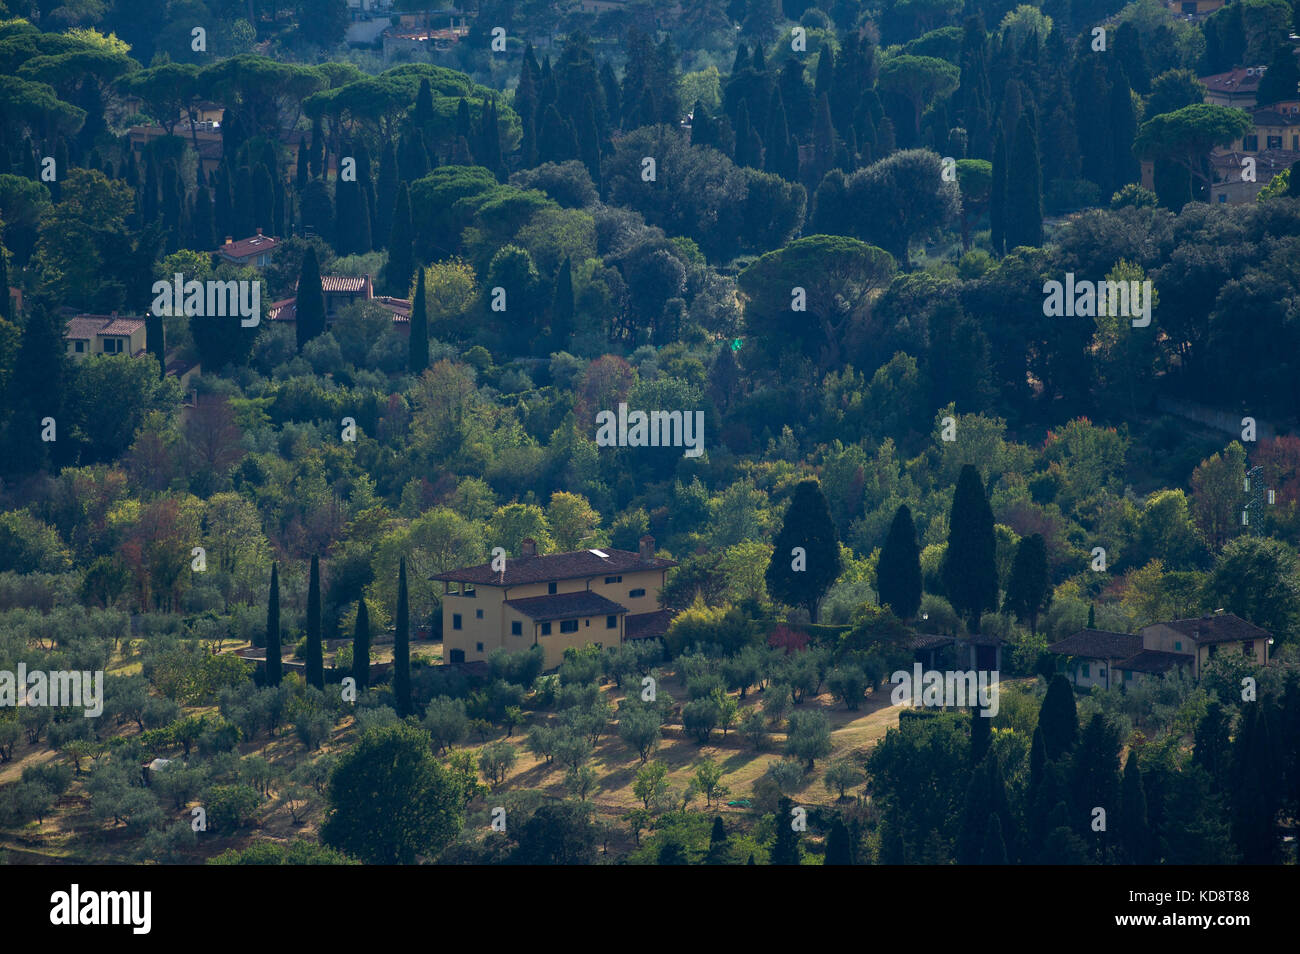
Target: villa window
1248, 648
455, 621
546, 629
611, 622
613, 579
478, 647
633, 594
569, 626
1085, 670
516, 628
112, 346
1178, 646
551, 588
478, 614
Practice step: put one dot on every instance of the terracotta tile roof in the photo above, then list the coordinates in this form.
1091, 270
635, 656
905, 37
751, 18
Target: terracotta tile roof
343, 283
555, 566
566, 605
1268, 116
647, 625
1098, 644
253, 245
88, 326
1218, 628
284, 310
1154, 661
1242, 79
400, 307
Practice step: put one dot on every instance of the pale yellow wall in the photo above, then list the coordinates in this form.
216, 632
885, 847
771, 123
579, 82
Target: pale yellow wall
487, 630
1162, 638
493, 630
649, 580
591, 629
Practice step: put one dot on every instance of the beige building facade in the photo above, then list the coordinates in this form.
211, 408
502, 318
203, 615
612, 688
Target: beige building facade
559, 601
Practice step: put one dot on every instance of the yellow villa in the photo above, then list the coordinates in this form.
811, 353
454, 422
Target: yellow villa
558, 601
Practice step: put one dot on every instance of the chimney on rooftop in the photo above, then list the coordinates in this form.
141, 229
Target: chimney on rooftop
259, 231
647, 549
229, 240
529, 546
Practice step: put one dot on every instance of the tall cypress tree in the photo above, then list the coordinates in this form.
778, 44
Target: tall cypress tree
401, 245
315, 673
154, 340
242, 210
998, 194
1058, 719
1212, 749
898, 573
361, 646
778, 137
203, 233
1030, 587
1122, 130
36, 389
981, 736
717, 843
785, 850
311, 299
1024, 209
402, 648
488, 151
385, 194
839, 850
970, 572
803, 579
973, 96
1134, 829
419, 344
263, 200
1255, 790
273, 629
588, 133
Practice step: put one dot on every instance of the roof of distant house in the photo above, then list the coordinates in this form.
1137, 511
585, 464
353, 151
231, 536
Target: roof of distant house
555, 566
400, 307
87, 326
564, 605
1217, 628
1242, 79
284, 310
253, 245
1098, 644
647, 625
343, 283
1268, 116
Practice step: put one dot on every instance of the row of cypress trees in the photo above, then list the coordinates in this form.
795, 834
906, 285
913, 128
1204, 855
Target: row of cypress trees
315, 670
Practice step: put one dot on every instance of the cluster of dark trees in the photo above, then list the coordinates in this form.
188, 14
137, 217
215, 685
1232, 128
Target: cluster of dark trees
1070, 800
